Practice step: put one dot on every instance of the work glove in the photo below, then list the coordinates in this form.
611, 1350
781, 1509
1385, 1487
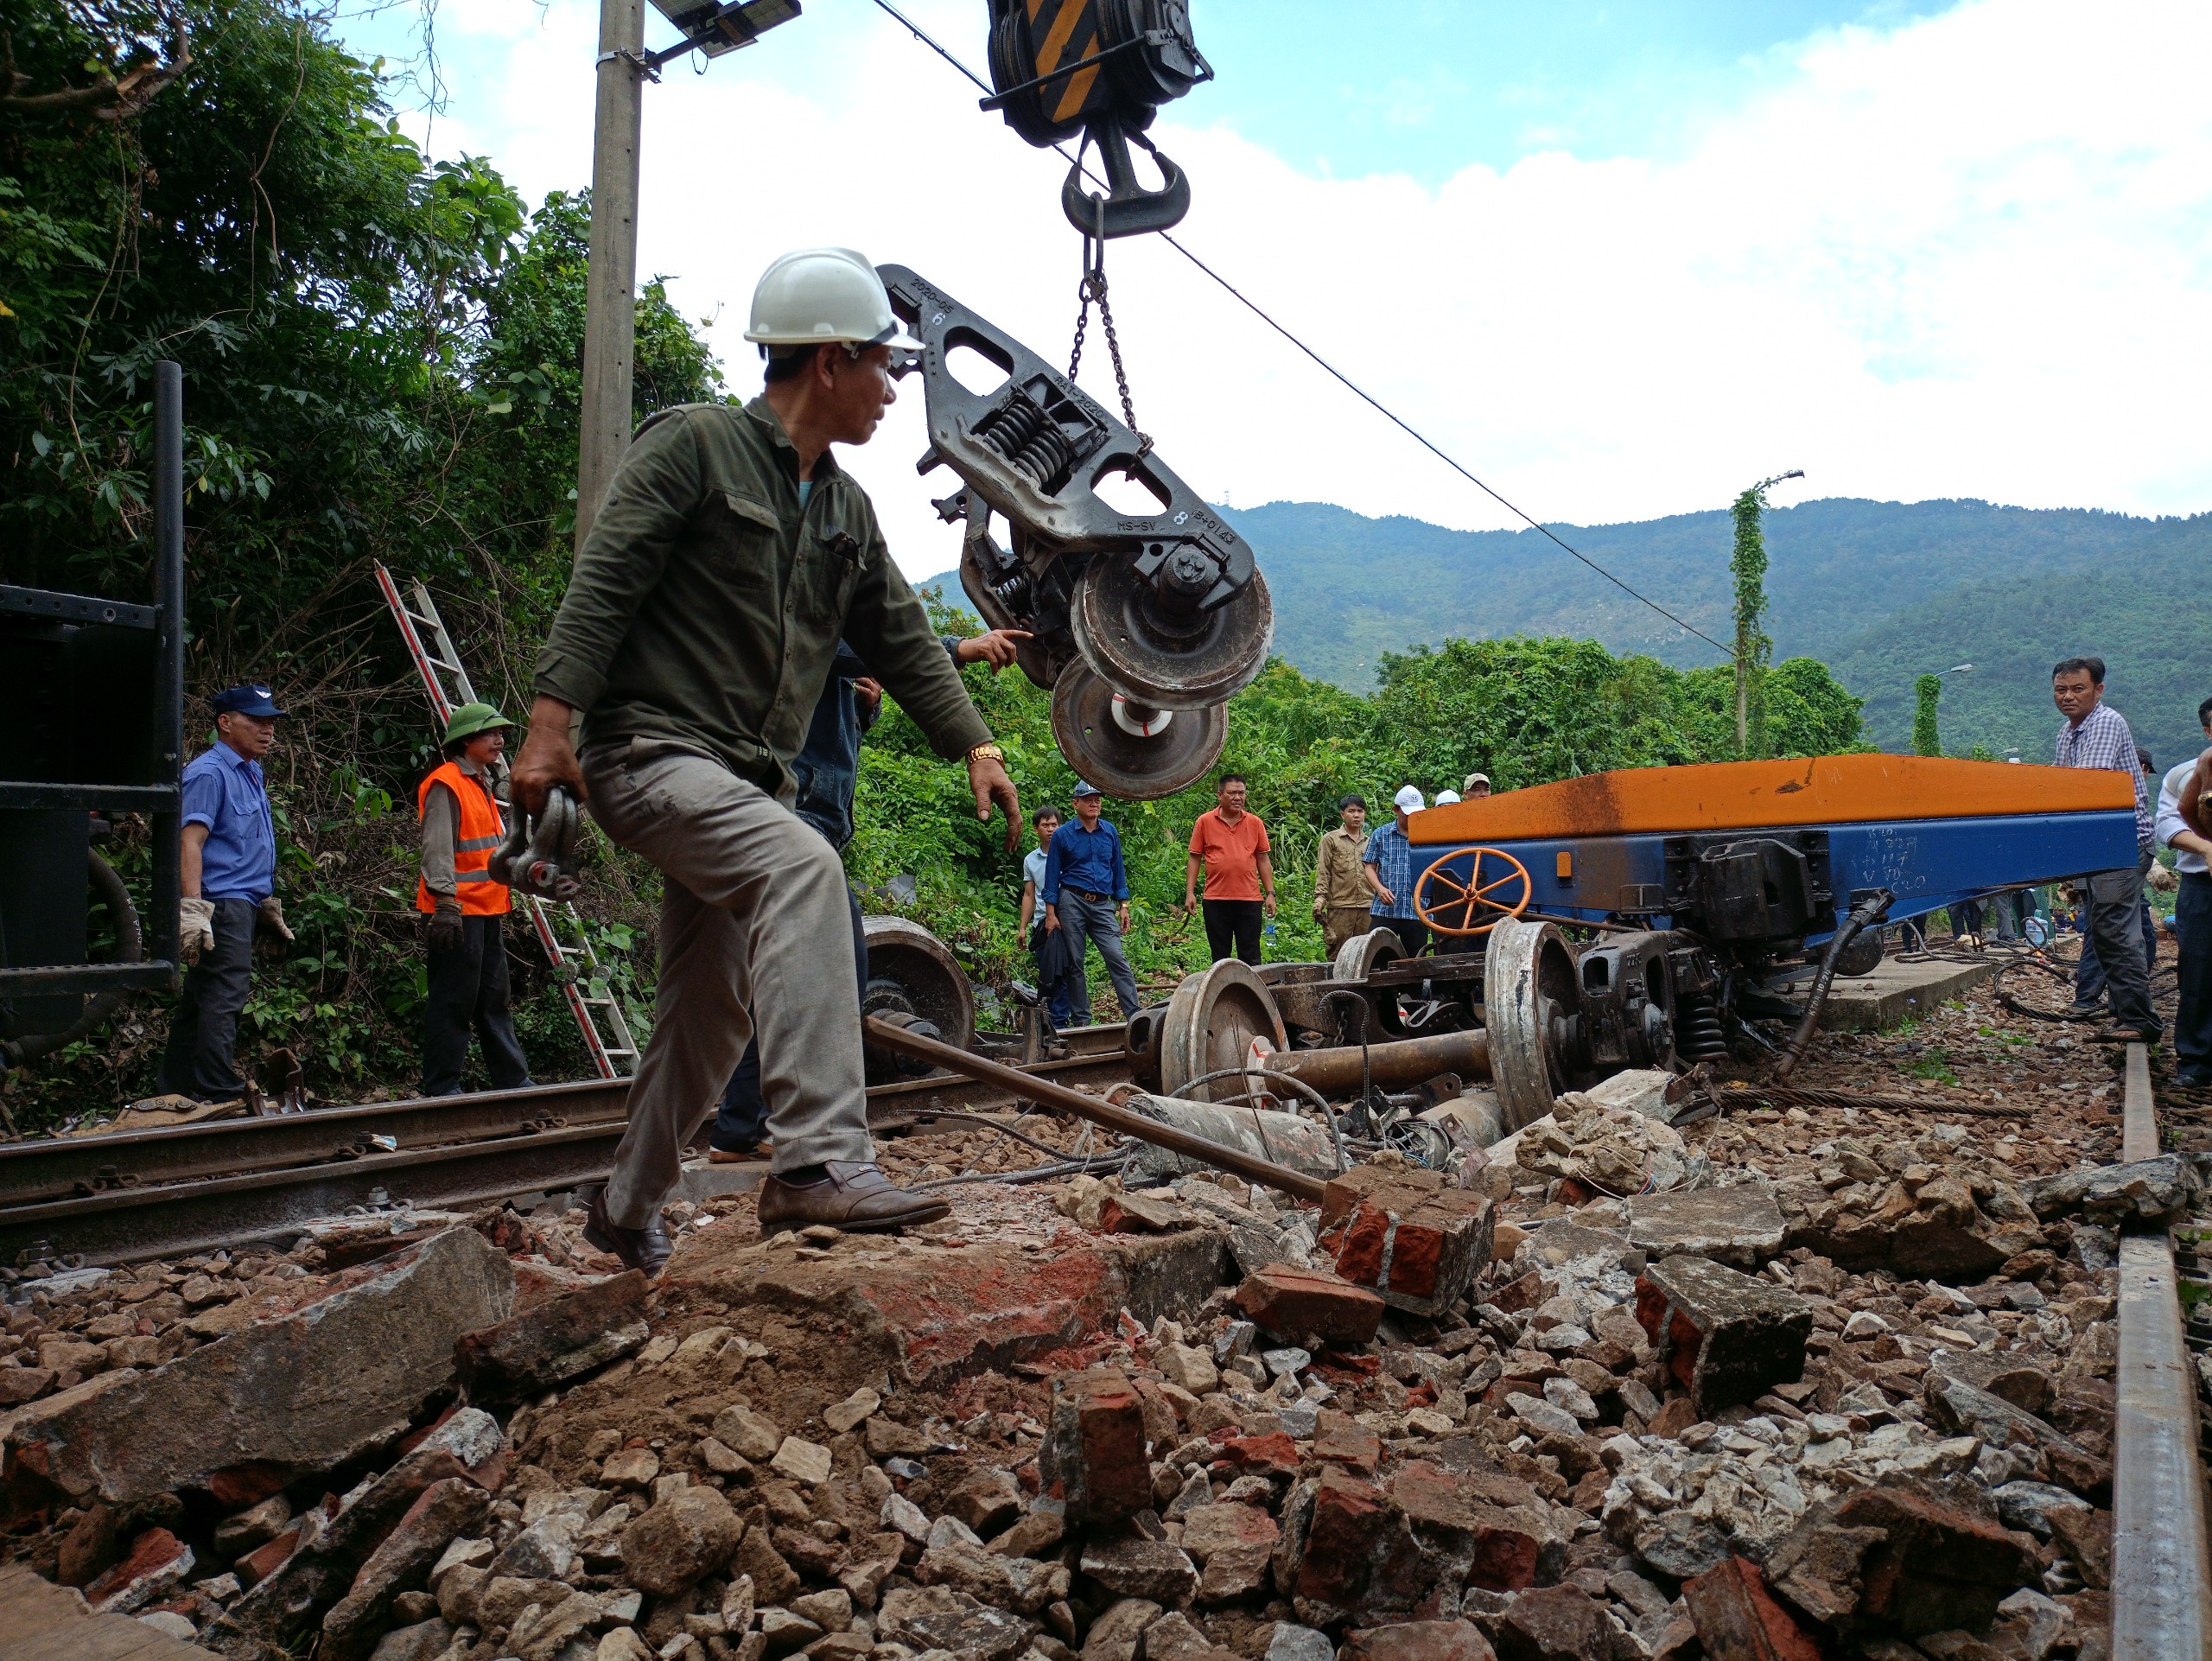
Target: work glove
272, 918
195, 927
2161, 879
1321, 913
445, 929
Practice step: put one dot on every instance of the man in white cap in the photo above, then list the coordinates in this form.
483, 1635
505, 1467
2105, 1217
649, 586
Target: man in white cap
1391, 871
699, 629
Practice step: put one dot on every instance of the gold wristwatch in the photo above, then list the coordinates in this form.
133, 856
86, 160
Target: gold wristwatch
985, 752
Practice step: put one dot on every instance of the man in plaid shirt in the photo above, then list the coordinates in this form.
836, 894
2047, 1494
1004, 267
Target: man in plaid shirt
1391, 871
2096, 735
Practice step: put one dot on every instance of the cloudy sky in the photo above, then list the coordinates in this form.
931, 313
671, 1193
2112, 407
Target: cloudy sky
1621, 260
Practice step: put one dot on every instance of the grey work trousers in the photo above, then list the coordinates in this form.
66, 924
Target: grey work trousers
755, 933
1097, 922
2115, 925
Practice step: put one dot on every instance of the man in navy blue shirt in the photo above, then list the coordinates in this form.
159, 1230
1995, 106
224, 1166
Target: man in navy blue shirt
1086, 892
229, 872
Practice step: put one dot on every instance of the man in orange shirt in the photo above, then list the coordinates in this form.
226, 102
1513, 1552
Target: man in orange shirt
1233, 845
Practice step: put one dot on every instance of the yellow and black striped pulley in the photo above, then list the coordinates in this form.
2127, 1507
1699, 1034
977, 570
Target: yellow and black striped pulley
1100, 68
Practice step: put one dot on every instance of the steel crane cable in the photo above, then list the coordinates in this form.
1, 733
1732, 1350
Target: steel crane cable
1338, 375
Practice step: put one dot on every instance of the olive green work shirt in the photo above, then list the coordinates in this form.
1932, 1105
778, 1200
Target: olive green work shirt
706, 605
1338, 881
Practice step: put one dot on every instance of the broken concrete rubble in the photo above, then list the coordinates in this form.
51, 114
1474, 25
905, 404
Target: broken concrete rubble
1740, 1225
1724, 1337
244, 1416
1519, 1467
558, 1339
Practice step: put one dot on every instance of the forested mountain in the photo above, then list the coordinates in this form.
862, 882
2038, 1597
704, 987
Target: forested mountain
1880, 591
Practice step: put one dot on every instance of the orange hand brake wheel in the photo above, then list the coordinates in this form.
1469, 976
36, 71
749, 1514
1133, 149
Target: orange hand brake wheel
1474, 905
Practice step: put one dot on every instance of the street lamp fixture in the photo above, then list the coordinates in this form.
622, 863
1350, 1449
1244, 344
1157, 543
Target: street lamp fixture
716, 27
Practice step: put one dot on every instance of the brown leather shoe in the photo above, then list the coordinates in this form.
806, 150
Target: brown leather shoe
858, 1199
758, 1150
646, 1247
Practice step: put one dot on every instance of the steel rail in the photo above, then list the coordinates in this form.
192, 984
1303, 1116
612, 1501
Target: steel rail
1049, 1094
36, 1172
65, 1167
191, 1188
2161, 1572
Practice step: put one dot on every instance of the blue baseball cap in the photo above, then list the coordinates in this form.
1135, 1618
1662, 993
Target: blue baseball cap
245, 701
1085, 787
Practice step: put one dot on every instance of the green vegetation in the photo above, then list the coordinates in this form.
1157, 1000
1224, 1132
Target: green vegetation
1928, 692
381, 359
1754, 649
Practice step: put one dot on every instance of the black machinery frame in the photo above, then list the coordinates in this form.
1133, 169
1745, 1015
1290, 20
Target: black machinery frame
156, 792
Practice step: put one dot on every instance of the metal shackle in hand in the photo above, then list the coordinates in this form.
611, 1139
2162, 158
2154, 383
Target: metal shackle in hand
539, 855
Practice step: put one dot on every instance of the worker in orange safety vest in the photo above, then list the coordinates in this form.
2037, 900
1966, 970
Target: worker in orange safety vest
468, 911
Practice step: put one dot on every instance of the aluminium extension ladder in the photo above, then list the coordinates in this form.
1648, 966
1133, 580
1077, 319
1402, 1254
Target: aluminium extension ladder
606, 1034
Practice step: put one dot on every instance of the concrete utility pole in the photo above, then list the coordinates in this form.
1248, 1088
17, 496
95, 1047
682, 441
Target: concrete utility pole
610, 303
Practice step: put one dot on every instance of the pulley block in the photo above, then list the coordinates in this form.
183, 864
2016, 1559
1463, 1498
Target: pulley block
1471, 890
1211, 1023
1133, 751
1101, 68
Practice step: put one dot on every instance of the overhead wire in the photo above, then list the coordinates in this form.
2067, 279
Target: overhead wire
1338, 375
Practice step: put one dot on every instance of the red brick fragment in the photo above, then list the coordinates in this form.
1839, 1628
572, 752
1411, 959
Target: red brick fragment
1271, 1455
1738, 1618
1094, 1457
149, 1554
1410, 1234
1339, 1439
1348, 1520
1298, 1303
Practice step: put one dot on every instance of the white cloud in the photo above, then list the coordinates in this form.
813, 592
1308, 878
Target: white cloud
1965, 257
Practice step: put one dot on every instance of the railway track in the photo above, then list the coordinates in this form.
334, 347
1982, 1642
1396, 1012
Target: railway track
2161, 1572
155, 1193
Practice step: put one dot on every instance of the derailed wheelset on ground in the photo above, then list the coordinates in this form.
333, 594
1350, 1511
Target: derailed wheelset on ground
1531, 1013
1144, 623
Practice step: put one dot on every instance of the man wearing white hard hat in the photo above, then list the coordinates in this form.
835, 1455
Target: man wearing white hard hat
1391, 871
730, 557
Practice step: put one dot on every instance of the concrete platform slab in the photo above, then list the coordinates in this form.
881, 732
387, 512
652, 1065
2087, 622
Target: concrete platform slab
1897, 991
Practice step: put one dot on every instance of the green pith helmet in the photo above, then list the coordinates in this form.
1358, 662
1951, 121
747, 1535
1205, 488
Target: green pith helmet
474, 718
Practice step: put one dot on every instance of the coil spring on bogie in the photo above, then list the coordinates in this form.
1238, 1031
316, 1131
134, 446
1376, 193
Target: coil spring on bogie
1014, 593
1028, 439
1698, 1036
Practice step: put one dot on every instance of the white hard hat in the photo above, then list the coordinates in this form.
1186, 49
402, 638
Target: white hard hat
1445, 797
1409, 800
815, 296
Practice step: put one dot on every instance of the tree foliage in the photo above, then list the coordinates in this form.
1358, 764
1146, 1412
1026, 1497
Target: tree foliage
1928, 692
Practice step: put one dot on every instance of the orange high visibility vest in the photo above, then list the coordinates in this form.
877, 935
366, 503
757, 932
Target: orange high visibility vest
477, 834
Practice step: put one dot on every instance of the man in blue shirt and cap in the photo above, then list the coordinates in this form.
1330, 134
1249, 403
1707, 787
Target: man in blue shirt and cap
1086, 892
229, 882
